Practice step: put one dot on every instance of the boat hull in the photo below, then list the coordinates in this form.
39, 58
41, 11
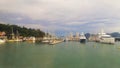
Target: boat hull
107, 40
45, 41
2, 41
82, 40
55, 42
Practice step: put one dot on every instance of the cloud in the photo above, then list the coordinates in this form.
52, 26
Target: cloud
74, 23
75, 15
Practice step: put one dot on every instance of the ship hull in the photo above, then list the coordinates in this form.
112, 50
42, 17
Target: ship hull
107, 40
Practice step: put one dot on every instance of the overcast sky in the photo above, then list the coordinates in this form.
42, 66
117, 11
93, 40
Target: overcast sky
63, 15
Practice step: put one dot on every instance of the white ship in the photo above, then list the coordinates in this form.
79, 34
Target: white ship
82, 38
105, 38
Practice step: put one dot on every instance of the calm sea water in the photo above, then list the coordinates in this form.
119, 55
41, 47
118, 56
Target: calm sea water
63, 55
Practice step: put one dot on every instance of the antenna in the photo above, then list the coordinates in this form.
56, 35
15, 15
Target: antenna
102, 31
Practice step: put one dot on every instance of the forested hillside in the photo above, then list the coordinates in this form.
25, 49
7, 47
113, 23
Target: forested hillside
23, 31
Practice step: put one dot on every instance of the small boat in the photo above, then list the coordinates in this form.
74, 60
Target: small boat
31, 39
11, 40
14, 38
82, 38
55, 42
66, 40
46, 40
52, 42
18, 40
2, 40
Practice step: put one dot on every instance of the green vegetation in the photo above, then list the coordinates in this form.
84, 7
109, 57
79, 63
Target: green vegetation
23, 31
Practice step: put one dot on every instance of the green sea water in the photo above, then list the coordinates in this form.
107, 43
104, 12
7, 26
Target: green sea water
62, 55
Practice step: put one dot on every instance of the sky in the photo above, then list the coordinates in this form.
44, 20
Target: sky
62, 15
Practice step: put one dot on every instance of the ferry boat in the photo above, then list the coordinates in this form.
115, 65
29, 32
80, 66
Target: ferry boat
82, 38
105, 38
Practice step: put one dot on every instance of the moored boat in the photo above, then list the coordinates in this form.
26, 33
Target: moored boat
66, 39
82, 38
55, 42
2, 40
105, 38
46, 39
29, 39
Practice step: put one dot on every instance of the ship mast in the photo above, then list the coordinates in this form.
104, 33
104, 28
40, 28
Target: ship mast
13, 35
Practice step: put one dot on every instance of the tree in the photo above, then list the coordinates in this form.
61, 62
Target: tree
23, 31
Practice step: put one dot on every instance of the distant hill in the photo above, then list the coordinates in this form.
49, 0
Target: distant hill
23, 31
